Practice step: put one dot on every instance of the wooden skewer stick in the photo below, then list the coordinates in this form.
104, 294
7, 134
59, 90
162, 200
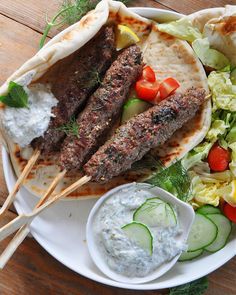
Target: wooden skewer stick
23, 219
19, 182
24, 230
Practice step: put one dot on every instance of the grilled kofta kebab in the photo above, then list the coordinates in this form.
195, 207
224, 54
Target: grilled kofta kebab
102, 110
142, 133
75, 82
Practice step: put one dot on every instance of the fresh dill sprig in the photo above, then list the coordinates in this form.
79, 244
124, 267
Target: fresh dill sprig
69, 13
174, 179
70, 128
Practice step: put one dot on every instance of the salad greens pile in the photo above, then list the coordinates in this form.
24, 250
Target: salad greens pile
208, 187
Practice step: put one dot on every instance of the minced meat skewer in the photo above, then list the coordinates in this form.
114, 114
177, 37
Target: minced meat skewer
102, 110
142, 133
75, 83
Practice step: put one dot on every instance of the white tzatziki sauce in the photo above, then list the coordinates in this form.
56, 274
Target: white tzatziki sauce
25, 124
122, 254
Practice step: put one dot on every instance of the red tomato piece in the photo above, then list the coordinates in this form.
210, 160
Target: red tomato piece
146, 90
218, 158
148, 74
167, 87
230, 212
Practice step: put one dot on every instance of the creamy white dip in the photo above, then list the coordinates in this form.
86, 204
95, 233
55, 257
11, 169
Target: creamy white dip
25, 124
121, 253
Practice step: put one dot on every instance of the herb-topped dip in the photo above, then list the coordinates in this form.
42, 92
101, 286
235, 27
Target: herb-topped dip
26, 123
136, 231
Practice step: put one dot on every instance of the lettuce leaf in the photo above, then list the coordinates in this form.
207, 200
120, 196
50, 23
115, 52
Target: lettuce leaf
209, 57
218, 128
196, 155
223, 92
182, 29
232, 165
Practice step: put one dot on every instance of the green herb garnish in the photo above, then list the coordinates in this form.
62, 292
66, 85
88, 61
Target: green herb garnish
16, 97
197, 287
69, 13
174, 179
70, 128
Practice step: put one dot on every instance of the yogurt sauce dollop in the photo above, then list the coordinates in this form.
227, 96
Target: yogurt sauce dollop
122, 254
25, 124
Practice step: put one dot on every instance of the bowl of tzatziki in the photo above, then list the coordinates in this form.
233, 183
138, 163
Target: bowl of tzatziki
136, 232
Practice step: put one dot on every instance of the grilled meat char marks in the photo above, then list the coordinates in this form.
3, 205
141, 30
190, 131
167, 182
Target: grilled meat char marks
102, 109
142, 133
75, 84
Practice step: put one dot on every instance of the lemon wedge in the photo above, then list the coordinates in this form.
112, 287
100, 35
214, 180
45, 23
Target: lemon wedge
125, 37
229, 193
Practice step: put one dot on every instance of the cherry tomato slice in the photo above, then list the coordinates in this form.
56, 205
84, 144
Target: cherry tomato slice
168, 86
148, 74
218, 158
146, 90
230, 212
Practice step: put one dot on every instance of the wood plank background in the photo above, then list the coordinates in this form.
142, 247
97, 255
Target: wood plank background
32, 270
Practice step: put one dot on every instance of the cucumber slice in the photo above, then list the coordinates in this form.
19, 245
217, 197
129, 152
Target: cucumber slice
155, 212
233, 76
208, 209
202, 234
190, 255
140, 234
132, 107
224, 230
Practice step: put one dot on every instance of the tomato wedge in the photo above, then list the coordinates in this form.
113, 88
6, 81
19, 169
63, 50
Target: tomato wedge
148, 74
230, 212
218, 158
146, 90
168, 86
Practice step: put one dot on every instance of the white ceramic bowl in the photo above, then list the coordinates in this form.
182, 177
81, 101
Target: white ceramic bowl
185, 220
60, 230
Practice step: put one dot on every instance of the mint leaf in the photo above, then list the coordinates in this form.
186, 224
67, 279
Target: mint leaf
197, 287
16, 97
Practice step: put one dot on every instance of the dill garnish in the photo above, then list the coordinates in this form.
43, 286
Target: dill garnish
70, 128
174, 179
69, 13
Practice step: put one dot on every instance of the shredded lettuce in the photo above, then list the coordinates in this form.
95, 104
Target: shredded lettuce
182, 29
209, 57
209, 188
223, 92
218, 127
232, 165
196, 155
203, 193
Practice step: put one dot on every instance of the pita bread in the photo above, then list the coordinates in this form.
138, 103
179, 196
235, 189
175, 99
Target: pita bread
219, 26
167, 55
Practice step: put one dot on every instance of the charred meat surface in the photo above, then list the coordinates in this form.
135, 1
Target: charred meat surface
142, 133
102, 109
75, 83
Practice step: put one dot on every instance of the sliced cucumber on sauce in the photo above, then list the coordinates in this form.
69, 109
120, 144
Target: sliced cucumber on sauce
208, 209
202, 234
155, 212
132, 107
185, 256
140, 234
224, 229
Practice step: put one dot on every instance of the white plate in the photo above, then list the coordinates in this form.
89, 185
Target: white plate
60, 230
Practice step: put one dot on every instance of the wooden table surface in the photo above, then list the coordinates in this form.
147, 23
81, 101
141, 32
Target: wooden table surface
31, 270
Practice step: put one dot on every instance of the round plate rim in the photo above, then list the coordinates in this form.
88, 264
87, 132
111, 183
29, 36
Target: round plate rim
148, 286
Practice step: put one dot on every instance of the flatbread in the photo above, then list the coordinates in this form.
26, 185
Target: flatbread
219, 26
167, 55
